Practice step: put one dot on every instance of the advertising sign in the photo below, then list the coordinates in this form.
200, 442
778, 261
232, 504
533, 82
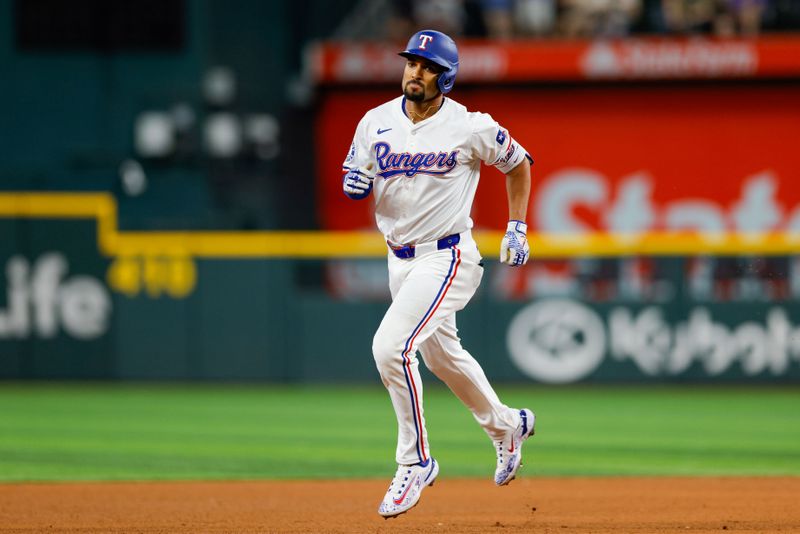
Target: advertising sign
652, 58
616, 159
44, 299
562, 341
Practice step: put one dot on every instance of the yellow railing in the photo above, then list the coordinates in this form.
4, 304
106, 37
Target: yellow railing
113, 242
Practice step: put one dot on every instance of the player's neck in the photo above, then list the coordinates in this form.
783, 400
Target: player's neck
419, 111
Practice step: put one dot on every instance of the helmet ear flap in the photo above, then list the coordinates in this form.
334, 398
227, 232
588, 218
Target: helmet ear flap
446, 81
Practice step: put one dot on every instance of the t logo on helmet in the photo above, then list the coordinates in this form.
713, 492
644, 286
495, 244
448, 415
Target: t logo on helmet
425, 40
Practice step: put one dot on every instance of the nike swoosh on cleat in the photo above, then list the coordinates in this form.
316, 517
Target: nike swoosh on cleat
403, 496
511, 448
383, 131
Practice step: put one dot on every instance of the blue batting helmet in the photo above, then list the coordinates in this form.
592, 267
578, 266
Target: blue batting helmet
438, 48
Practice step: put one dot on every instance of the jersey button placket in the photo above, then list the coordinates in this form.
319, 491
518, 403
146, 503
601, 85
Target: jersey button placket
407, 183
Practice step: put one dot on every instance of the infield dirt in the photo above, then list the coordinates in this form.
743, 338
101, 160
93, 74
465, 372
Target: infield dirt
564, 505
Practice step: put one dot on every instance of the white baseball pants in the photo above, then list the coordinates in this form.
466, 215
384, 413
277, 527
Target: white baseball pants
427, 291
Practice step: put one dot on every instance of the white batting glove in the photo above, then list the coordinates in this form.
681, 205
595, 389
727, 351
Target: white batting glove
357, 184
514, 250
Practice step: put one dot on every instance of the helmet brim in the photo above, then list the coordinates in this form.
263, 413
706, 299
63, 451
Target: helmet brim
426, 55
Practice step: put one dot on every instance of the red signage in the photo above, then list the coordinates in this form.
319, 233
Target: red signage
772, 56
621, 159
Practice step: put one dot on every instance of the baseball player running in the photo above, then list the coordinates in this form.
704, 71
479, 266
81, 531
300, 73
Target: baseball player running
420, 155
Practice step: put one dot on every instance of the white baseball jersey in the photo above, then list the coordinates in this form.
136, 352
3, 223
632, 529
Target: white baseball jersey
426, 177
427, 173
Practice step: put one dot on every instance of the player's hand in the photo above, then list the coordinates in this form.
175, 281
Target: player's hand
357, 184
514, 250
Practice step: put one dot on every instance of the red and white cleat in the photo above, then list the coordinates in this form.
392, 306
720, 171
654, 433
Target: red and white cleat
406, 487
509, 449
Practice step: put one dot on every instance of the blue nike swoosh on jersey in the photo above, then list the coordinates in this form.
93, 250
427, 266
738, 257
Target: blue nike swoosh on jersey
383, 131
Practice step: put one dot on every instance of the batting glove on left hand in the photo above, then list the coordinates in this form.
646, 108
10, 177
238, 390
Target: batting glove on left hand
514, 250
358, 184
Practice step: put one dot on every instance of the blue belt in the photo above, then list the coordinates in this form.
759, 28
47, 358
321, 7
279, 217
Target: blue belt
409, 251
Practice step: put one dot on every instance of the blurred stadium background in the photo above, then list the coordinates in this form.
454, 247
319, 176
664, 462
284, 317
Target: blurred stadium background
171, 208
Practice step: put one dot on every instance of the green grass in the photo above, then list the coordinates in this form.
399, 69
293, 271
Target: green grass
152, 431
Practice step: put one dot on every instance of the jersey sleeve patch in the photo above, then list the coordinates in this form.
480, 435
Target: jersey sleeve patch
508, 155
501, 136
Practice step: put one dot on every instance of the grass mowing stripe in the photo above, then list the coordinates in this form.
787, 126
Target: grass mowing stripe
69, 431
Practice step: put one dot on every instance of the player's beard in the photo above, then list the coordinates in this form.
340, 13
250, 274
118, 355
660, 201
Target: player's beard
414, 96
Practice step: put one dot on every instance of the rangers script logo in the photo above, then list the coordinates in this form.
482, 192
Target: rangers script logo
392, 163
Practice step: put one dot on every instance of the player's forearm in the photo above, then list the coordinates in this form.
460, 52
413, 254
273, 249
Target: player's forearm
518, 186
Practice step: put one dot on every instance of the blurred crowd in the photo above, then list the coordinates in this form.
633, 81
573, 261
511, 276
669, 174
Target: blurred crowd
508, 19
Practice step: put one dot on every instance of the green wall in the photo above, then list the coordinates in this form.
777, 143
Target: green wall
279, 320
